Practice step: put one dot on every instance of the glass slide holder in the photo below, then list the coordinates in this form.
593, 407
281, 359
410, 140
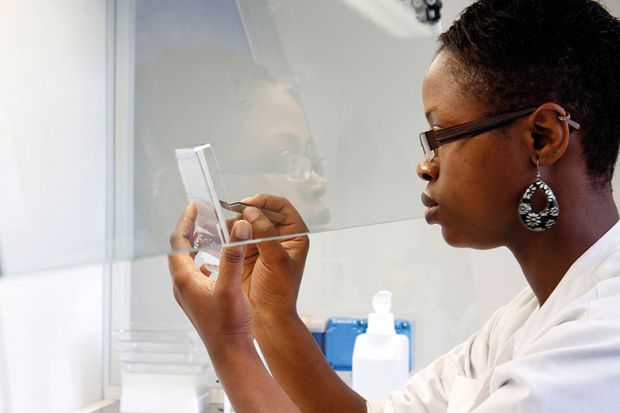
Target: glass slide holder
210, 231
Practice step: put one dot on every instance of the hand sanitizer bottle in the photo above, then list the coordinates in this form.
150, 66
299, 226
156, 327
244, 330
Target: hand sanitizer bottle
380, 357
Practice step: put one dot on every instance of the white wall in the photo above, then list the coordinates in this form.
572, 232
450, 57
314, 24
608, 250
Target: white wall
52, 331
53, 152
52, 105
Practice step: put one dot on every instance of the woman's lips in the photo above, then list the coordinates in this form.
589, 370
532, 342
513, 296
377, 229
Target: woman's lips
317, 217
428, 201
431, 208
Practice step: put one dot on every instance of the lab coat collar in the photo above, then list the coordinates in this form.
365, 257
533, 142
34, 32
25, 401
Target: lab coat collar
580, 278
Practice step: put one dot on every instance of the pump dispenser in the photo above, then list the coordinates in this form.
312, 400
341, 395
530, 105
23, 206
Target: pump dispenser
381, 321
380, 357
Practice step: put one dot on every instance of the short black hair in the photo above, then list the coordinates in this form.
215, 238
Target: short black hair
517, 53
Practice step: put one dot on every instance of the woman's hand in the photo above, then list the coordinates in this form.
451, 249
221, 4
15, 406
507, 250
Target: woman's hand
272, 270
272, 273
218, 309
222, 316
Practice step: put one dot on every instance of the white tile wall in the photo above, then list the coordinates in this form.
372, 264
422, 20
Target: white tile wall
52, 331
53, 129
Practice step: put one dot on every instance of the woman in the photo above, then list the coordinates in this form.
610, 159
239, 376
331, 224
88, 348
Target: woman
522, 97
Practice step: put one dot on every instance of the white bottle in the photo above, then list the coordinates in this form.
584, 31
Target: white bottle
380, 357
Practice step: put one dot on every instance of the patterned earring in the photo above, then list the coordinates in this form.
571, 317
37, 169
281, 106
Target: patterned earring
543, 220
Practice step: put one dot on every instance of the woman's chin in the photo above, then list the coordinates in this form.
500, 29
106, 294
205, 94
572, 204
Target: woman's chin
318, 218
462, 239
454, 238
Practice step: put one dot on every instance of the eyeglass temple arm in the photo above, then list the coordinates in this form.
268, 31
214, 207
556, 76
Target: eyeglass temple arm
571, 122
444, 136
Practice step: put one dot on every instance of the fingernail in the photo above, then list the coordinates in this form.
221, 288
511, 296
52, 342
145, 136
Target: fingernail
242, 230
247, 200
251, 214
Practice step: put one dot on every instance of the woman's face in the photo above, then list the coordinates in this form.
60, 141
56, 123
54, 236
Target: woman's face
474, 184
275, 126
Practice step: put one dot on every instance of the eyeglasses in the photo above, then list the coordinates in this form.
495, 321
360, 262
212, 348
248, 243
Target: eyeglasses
433, 139
296, 167
299, 167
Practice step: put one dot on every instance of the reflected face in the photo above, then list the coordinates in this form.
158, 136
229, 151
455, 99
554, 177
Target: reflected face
278, 125
474, 185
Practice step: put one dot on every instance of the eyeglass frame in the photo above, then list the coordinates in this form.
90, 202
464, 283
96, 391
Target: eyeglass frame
432, 139
282, 163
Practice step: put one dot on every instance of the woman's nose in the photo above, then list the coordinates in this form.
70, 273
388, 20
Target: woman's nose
315, 187
427, 169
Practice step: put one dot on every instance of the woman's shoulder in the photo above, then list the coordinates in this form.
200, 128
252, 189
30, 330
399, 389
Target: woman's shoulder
509, 319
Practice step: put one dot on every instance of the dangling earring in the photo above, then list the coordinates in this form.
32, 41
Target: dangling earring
543, 220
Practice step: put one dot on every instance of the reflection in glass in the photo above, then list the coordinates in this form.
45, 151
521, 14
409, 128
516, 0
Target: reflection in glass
308, 115
256, 128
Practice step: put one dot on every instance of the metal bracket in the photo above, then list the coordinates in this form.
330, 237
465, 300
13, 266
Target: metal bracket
427, 11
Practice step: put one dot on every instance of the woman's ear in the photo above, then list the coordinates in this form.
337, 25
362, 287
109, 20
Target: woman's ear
548, 135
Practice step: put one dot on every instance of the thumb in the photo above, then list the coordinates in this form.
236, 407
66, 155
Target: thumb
231, 262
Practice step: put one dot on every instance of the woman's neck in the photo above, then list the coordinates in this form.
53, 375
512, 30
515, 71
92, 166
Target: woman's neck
545, 257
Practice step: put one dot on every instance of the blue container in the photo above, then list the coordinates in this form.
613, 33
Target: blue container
320, 340
340, 336
316, 326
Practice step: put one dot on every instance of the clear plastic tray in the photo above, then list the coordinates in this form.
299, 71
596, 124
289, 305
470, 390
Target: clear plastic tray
155, 347
148, 368
164, 358
158, 336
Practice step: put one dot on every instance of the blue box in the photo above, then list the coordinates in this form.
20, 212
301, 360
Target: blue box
340, 336
316, 326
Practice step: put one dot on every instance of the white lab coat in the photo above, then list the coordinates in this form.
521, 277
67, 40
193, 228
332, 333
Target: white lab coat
562, 357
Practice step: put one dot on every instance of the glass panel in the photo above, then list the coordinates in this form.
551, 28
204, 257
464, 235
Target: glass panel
317, 102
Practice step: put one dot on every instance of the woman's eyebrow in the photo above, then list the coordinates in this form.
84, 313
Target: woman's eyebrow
429, 114
285, 138
292, 140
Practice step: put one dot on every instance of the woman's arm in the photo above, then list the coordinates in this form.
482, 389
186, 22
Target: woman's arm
245, 380
298, 364
272, 277
222, 316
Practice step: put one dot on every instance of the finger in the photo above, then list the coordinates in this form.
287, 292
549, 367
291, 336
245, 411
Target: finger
231, 221
263, 228
180, 261
206, 220
272, 202
205, 225
251, 252
281, 205
205, 270
231, 261
181, 238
